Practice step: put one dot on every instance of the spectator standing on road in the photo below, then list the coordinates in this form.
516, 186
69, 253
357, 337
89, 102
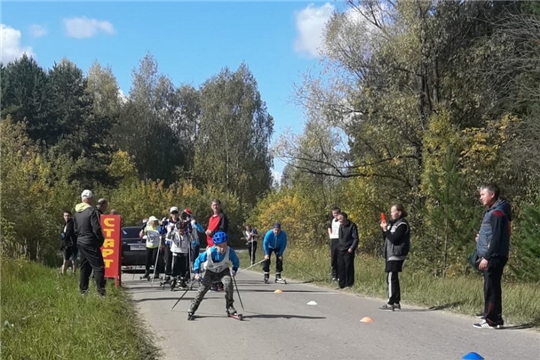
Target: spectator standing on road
333, 234
89, 241
69, 243
397, 243
493, 247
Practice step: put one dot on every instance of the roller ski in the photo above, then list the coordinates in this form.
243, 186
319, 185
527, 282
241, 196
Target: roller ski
266, 278
232, 313
279, 279
190, 316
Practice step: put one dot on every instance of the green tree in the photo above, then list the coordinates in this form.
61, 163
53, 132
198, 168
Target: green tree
82, 134
145, 127
234, 135
25, 98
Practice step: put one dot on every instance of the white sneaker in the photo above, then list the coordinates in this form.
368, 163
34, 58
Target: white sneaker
484, 325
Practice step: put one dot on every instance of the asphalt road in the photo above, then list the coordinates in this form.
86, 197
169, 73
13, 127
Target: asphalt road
283, 326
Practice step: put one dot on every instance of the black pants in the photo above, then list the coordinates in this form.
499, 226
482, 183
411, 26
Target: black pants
252, 249
393, 268
493, 290
267, 263
167, 255
180, 265
195, 250
91, 259
151, 254
334, 257
345, 269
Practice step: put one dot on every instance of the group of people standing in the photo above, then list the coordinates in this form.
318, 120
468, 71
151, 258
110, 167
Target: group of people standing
492, 250
178, 238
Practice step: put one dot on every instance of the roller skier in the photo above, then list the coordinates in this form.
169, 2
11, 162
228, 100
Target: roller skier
275, 241
215, 264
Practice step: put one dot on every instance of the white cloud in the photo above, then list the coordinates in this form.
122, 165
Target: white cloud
81, 27
11, 48
122, 97
37, 31
310, 25
276, 175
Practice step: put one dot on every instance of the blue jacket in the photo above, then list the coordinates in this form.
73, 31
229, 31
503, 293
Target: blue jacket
494, 235
273, 242
216, 257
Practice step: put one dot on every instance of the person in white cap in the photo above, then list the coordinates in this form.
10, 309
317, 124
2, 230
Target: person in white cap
168, 227
89, 241
151, 234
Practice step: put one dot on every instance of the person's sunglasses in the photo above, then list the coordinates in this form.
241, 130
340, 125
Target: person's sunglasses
174, 212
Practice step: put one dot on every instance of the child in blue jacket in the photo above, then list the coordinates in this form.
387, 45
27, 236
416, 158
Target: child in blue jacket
215, 263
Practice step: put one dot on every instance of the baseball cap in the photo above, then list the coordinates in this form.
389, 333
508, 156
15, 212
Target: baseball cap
188, 211
277, 226
173, 209
152, 218
87, 194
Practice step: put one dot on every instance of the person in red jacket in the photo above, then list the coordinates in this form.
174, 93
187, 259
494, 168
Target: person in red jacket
217, 222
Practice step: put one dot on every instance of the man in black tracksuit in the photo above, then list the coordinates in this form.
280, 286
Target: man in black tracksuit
348, 242
89, 241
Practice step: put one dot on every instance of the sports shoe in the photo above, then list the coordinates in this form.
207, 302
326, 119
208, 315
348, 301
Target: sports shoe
397, 306
388, 307
485, 325
231, 310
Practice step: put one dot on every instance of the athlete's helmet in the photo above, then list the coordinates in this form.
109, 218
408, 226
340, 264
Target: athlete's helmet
220, 237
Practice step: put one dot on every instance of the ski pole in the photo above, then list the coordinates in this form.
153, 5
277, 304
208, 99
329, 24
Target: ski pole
301, 270
181, 297
250, 266
155, 265
137, 262
238, 292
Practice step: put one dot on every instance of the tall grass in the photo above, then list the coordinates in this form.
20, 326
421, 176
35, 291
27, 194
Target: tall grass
44, 317
463, 294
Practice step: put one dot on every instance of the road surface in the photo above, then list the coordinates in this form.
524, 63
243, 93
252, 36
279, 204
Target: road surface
283, 326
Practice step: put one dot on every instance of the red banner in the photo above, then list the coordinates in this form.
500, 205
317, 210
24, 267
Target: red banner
112, 247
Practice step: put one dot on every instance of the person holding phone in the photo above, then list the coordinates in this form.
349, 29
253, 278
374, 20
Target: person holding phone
397, 243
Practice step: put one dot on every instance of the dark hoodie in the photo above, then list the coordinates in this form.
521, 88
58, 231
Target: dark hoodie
494, 234
88, 225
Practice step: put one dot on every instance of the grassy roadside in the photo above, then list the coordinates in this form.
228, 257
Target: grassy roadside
44, 317
521, 302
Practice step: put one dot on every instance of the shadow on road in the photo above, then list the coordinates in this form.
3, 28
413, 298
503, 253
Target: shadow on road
285, 290
172, 298
282, 316
522, 326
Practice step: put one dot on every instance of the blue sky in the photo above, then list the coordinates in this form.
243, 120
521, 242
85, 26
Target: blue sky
191, 41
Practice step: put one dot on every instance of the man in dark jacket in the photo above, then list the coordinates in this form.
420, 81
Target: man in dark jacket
69, 243
492, 247
89, 241
348, 242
